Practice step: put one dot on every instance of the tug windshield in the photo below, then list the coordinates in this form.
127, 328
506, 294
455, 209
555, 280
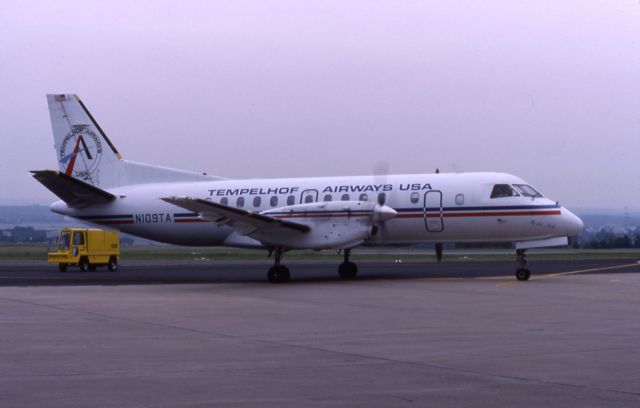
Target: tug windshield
64, 241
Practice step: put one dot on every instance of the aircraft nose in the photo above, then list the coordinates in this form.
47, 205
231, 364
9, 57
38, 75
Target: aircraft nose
572, 223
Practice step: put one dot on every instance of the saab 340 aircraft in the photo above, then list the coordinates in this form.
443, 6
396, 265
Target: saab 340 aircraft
98, 187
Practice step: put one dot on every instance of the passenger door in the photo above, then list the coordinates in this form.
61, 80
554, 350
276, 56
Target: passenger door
433, 213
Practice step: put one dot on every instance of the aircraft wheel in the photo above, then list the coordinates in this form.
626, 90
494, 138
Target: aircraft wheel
113, 264
348, 270
84, 264
279, 274
523, 274
62, 267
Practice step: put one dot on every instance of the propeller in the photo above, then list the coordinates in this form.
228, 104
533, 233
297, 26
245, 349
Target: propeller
381, 212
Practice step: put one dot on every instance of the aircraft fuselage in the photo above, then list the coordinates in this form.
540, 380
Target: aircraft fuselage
430, 208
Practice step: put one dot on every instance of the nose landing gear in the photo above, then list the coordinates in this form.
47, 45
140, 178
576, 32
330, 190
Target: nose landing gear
347, 269
522, 273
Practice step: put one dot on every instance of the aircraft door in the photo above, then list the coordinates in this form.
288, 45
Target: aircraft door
309, 196
433, 213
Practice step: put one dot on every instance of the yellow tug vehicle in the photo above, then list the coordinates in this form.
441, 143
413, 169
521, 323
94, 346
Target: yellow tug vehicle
86, 248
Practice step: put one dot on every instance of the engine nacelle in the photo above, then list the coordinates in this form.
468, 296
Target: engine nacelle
334, 225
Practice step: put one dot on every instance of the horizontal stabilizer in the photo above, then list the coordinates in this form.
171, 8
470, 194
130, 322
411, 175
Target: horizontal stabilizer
74, 192
243, 221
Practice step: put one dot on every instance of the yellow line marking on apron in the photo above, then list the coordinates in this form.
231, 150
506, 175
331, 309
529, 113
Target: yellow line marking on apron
551, 275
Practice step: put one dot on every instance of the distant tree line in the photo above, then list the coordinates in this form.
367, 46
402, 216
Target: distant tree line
603, 238
28, 235
607, 239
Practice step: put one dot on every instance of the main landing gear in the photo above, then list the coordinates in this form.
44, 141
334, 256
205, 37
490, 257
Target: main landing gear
347, 269
278, 273
522, 273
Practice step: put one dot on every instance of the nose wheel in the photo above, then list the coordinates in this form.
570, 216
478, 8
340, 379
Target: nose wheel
347, 269
522, 273
278, 273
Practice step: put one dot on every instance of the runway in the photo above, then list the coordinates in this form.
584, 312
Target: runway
34, 273
217, 334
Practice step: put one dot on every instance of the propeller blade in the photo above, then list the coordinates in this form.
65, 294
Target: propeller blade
381, 171
439, 252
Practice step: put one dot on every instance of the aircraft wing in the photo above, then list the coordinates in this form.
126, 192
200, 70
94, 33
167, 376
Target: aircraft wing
243, 221
76, 193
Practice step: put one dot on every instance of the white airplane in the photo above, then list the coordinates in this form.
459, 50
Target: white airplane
98, 187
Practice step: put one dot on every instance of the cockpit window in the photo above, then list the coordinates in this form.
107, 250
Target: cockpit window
526, 190
503, 190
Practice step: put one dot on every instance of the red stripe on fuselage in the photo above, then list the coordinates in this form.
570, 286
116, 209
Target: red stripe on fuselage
414, 215
503, 214
320, 215
480, 214
342, 215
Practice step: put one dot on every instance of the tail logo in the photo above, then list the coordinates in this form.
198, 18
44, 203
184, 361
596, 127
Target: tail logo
80, 153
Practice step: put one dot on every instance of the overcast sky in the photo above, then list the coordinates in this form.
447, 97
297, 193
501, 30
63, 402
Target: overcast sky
546, 90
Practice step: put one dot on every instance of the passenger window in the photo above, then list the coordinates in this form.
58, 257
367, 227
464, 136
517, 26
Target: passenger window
308, 199
224, 201
328, 197
273, 201
459, 199
257, 201
363, 197
291, 200
240, 202
345, 197
503, 190
78, 238
415, 197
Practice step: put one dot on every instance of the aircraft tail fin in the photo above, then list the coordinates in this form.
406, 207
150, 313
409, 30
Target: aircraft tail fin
84, 151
